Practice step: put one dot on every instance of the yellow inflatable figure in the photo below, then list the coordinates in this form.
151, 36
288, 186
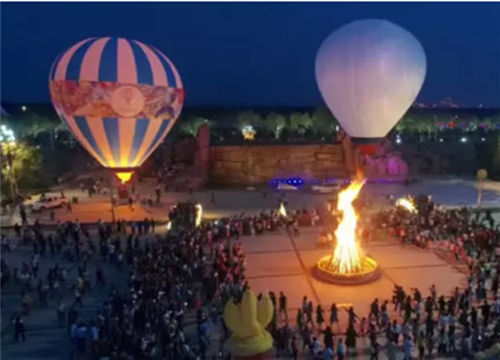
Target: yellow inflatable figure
248, 321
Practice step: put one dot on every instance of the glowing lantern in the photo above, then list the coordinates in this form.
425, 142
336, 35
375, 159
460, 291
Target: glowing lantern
248, 132
282, 210
406, 204
199, 214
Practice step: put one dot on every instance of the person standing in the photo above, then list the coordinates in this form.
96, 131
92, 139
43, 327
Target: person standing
430, 344
350, 338
485, 313
374, 311
319, 316
351, 317
22, 213
283, 305
300, 319
443, 342
420, 345
309, 315
340, 349
407, 348
158, 193
494, 285
392, 350
374, 348
304, 304
306, 338
315, 348
293, 348
100, 277
78, 297
328, 354
19, 330
328, 338
61, 313
334, 315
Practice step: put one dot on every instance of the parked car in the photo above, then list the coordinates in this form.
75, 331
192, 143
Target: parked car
47, 201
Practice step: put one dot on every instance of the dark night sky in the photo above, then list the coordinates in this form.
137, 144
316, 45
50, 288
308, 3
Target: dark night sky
243, 54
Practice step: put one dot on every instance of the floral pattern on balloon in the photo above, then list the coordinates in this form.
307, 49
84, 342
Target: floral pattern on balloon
96, 99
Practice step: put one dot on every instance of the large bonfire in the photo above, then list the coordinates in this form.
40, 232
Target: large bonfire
346, 258
348, 264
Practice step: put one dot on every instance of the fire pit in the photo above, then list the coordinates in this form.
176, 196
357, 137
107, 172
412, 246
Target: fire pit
368, 272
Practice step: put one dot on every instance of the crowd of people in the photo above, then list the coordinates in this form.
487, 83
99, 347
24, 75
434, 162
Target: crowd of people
177, 284
189, 270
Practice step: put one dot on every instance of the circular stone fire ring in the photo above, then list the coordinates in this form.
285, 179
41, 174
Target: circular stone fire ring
370, 271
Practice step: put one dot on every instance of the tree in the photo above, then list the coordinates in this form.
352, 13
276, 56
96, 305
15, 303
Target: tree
21, 167
472, 123
299, 122
31, 126
324, 122
249, 118
190, 126
274, 123
405, 124
427, 125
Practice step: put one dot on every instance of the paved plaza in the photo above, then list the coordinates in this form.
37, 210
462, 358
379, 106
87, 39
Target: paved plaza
275, 261
280, 262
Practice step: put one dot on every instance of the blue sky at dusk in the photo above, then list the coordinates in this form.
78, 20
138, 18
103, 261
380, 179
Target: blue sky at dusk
253, 54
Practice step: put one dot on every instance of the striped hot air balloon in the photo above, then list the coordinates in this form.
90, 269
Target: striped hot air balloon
119, 97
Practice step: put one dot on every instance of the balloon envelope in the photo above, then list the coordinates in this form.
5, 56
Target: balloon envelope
369, 73
119, 97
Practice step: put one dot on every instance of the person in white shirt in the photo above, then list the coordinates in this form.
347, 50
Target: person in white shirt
316, 347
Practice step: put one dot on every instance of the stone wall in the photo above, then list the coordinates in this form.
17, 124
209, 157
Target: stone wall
252, 165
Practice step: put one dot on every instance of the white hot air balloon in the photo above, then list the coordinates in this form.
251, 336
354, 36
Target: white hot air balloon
369, 72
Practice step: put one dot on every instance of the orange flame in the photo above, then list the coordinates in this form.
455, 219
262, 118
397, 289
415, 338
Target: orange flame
346, 258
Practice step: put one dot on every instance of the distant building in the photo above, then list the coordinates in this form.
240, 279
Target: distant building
447, 103
3, 113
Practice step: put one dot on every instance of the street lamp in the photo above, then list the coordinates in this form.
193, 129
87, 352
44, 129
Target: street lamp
248, 132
